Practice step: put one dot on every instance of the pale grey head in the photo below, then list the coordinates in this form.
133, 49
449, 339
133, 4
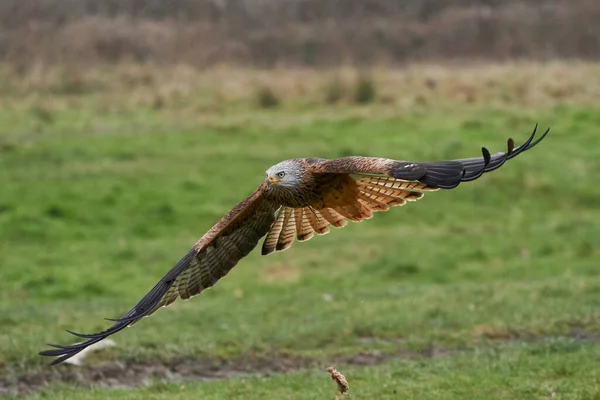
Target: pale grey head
286, 174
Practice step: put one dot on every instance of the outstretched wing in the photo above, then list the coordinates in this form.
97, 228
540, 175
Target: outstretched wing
352, 188
211, 258
435, 174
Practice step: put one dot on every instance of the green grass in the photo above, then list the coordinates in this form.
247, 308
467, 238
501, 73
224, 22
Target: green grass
557, 369
94, 209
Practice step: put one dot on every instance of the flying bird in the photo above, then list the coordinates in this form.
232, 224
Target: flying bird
298, 199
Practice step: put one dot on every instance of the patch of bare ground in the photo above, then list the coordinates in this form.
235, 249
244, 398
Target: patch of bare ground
128, 375
136, 374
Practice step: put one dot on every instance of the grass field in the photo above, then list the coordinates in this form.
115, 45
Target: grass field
489, 291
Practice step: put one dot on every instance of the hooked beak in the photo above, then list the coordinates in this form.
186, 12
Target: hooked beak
272, 181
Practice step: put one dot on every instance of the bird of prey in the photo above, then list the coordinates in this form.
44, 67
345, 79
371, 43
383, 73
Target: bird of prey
297, 199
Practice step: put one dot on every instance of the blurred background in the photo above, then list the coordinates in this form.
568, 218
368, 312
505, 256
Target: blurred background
299, 33
129, 127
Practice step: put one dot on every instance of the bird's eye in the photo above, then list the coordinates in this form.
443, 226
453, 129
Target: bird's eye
281, 174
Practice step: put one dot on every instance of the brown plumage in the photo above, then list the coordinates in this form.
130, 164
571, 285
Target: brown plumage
298, 199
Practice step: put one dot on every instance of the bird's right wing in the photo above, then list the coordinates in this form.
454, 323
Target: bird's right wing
211, 258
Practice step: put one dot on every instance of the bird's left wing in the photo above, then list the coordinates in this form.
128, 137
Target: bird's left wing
211, 258
435, 174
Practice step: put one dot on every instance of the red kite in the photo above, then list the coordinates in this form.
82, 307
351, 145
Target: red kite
297, 199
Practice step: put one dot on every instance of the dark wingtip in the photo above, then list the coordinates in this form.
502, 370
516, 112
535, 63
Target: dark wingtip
58, 346
47, 353
492, 163
510, 145
540, 139
127, 320
82, 335
486, 156
535, 128
525, 146
144, 307
60, 359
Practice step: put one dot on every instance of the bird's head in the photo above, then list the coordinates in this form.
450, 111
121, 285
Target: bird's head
286, 174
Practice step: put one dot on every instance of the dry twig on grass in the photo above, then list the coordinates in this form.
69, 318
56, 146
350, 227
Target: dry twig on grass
340, 380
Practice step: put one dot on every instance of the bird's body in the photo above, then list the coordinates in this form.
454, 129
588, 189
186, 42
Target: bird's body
298, 199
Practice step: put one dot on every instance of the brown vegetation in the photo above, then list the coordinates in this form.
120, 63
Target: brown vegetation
295, 32
47, 90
